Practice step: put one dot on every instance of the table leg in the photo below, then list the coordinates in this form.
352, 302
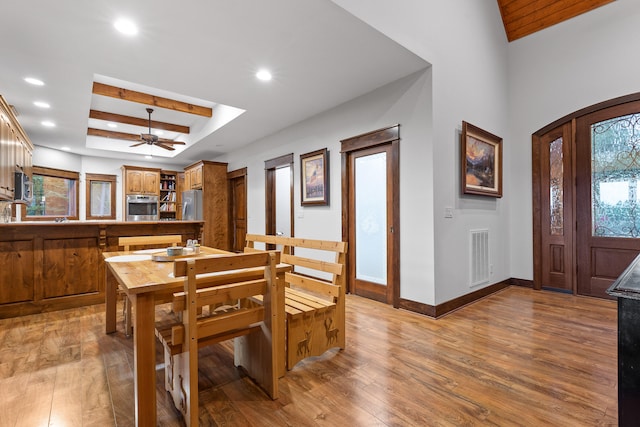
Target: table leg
111, 299
144, 354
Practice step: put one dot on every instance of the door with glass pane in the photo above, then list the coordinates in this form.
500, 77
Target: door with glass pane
371, 223
556, 213
607, 195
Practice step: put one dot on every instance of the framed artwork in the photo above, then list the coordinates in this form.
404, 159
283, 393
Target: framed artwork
314, 180
481, 154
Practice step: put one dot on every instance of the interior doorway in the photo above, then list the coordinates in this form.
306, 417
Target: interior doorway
279, 196
238, 208
371, 213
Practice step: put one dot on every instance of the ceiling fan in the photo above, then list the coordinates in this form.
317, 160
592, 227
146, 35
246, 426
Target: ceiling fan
151, 139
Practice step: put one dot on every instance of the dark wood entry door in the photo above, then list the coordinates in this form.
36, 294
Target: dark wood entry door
607, 195
370, 195
552, 154
238, 208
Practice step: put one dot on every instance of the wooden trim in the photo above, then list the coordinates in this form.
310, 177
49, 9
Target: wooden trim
371, 139
147, 99
588, 110
454, 304
537, 207
59, 173
281, 161
118, 118
89, 177
237, 173
521, 282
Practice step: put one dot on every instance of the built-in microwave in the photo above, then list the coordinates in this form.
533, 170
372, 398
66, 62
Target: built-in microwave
141, 207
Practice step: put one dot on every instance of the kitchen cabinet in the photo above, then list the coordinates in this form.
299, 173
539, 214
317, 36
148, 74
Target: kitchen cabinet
141, 180
48, 266
211, 178
16, 151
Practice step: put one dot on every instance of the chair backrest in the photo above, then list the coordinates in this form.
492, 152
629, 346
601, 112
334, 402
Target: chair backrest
308, 261
137, 241
262, 319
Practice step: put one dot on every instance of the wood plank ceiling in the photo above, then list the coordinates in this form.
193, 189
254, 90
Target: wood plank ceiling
524, 17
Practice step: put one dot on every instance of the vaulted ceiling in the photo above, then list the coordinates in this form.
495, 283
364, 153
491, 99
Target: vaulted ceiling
524, 17
186, 60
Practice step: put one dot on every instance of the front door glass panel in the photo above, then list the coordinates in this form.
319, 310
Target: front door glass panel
615, 172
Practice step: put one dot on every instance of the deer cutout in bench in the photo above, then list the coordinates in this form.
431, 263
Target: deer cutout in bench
252, 325
314, 295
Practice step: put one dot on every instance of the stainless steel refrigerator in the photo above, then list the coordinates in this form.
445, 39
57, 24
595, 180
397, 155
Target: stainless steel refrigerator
192, 205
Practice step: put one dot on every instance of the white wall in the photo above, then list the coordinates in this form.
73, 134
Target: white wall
46, 157
552, 73
465, 42
407, 102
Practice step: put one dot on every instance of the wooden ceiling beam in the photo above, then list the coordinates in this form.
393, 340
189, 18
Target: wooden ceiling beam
147, 99
118, 118
125, 136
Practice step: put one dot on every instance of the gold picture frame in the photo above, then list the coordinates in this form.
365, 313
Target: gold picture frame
481, 161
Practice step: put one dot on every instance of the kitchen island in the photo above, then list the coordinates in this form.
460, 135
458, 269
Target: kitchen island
47, 266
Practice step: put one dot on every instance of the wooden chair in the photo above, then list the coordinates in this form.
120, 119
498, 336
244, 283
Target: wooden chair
252, 325
314, 295
140, 242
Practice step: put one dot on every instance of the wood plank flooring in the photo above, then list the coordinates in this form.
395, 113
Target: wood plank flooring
516, 358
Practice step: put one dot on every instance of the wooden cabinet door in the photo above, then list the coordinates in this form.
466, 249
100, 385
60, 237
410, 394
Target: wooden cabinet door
151, 184
17, 271
69, 267
196, 178
134, 181
5, 164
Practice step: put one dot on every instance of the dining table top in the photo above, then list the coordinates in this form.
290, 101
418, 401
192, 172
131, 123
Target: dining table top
138, 272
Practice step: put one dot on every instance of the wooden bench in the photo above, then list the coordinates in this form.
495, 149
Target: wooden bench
238, 316
314, 294
140, 242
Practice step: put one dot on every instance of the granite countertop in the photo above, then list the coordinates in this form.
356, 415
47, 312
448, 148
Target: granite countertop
628, 284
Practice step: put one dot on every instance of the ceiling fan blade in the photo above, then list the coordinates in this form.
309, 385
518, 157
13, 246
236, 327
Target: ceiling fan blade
139, 143
166, 147
168, 141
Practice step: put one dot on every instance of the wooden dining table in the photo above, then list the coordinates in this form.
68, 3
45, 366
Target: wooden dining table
147, 283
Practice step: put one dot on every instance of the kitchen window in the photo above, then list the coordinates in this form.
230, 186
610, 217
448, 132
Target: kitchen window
101, 196
55, 194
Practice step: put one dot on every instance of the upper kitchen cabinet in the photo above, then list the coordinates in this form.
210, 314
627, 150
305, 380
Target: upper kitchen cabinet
16, 151
138, 180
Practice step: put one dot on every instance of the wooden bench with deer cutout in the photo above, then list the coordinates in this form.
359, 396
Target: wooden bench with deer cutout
314, 294
233, 312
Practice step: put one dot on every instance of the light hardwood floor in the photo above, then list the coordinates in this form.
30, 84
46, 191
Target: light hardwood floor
516, 358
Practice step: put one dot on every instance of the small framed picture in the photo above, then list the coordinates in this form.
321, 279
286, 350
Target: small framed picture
481, 155
314, 180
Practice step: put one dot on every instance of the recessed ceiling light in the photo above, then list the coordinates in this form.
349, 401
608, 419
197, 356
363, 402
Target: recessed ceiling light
112, 125
148, 157
34, 81
126, 27
264, 75
65, 148
48, 123
41, 104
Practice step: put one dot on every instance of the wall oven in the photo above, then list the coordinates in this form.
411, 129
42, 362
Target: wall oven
142, 208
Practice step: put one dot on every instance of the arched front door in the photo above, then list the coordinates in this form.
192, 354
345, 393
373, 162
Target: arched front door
586, 201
